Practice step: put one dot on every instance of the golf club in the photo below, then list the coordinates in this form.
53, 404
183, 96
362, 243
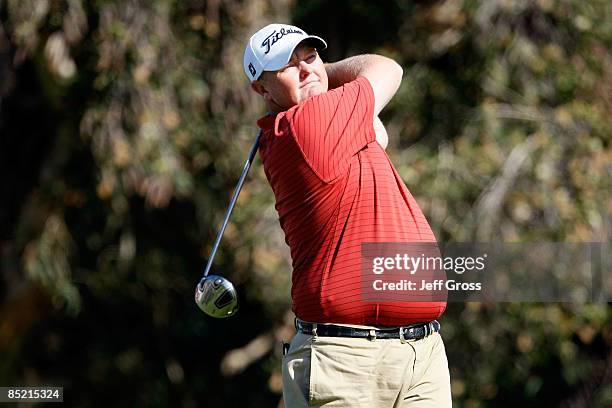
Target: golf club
216, 295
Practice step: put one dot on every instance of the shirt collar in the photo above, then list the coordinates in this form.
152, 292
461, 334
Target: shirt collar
266, 122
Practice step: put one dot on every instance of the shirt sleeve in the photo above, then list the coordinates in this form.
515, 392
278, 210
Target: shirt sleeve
333, 127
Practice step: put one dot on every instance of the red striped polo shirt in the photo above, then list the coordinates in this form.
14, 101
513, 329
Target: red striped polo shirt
335, 189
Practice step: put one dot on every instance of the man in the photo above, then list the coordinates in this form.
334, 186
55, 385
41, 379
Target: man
335, 188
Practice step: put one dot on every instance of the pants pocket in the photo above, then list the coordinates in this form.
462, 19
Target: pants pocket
296, 374
338, 375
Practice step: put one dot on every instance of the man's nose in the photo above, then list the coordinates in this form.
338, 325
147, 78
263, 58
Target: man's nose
305, 69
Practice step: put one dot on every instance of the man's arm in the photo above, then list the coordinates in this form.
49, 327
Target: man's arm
381, 133
384, 74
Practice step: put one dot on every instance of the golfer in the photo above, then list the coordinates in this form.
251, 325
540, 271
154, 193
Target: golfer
323, 152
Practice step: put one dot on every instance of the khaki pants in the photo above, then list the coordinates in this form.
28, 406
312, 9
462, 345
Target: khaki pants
353, 372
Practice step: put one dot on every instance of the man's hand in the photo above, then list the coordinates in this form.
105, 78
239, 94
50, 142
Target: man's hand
381, 133
384, 74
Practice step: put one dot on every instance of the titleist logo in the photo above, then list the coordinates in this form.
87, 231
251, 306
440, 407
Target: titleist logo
275, 36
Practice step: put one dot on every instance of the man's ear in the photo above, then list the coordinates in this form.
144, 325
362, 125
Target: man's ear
258, 87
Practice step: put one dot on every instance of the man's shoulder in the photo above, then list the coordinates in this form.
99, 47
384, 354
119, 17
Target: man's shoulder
325, 104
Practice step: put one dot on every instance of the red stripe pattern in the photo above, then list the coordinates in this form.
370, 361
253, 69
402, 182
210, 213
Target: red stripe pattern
335, 189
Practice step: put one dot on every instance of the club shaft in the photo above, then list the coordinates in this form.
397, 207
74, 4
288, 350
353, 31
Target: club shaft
228, 213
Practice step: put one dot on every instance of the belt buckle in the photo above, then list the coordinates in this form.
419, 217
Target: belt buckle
408, 333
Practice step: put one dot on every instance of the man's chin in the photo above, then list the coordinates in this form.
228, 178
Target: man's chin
314, 91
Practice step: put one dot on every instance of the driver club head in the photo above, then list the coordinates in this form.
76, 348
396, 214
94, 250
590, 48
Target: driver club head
216, 296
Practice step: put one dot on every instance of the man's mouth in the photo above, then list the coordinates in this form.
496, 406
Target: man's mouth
305, 84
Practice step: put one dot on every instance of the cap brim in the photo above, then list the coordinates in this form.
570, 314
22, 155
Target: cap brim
313, 38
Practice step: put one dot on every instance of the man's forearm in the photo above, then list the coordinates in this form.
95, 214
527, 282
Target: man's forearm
348, 69
384, 74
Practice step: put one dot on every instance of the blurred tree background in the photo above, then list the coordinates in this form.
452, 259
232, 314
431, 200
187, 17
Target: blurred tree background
124, 126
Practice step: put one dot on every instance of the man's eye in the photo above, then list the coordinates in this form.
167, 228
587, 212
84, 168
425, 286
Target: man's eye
311, 58
287, 68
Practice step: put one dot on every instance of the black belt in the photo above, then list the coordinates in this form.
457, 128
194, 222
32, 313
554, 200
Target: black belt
412, 332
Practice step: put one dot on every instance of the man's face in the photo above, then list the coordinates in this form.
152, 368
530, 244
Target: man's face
302, 77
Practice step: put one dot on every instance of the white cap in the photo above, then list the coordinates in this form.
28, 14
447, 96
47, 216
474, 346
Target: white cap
270, 48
